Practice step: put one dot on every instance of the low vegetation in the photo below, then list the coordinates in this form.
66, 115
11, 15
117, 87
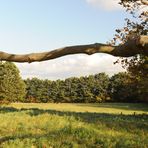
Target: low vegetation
105, 125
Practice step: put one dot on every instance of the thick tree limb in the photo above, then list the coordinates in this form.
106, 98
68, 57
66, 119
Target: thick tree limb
145, 2
130, 48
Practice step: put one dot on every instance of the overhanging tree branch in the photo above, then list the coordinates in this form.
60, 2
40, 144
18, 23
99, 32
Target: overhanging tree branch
132, 47
145, 2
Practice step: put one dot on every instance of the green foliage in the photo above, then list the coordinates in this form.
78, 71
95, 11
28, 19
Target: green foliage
136, 66
74, 125
94, 88
121, 87
12, 87
83, 89
37, 90
139, 76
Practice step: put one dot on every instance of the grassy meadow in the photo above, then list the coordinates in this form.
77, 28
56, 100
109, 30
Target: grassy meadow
105, 125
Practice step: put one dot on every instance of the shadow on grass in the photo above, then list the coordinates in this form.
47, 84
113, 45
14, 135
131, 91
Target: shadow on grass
5, 109
7, 138
111, 121
88, 117
64, 133
29, 136
123, 106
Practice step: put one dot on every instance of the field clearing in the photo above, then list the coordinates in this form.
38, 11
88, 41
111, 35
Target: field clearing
116, 108
64, 125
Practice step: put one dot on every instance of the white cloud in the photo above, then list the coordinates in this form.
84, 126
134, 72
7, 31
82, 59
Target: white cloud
105, 4
70, 66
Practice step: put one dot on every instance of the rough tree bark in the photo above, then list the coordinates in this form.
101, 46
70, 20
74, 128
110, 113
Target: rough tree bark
145, 2
132, 47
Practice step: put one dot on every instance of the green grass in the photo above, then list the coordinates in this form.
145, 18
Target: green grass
106, 125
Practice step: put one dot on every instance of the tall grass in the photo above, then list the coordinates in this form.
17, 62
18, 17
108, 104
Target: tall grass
74, 126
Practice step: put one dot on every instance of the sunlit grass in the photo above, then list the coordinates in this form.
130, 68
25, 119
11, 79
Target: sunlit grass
74, 125
116, 108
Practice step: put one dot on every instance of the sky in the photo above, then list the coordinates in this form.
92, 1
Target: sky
28, 26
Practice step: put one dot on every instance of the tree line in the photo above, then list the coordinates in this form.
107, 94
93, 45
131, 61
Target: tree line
86, 89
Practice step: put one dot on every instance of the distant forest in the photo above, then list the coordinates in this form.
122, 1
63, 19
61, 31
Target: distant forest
87, 89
